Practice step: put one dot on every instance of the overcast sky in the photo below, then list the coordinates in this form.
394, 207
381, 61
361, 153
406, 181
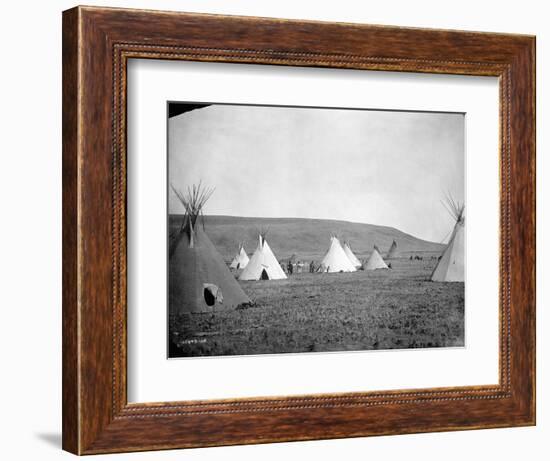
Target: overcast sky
387, 168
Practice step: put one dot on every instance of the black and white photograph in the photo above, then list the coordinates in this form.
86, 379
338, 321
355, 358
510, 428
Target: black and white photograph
314, 229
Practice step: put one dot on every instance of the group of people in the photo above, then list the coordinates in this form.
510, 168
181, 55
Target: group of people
297, 267
289, 268
421, 258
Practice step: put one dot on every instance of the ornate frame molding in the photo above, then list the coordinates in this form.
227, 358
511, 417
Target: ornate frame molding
97, 43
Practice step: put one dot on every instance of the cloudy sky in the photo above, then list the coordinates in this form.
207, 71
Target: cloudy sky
378, 167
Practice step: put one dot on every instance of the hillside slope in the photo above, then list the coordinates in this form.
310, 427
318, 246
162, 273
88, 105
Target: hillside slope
306, 238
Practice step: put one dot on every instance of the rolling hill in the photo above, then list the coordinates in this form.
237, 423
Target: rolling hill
306, 238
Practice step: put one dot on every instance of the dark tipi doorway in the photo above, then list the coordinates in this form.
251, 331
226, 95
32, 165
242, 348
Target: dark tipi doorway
209, 297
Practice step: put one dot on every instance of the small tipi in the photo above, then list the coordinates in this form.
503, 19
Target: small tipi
375, 261
240, 260
263, 264
450, 267
335, 259
198, 278
351, 256
392, 252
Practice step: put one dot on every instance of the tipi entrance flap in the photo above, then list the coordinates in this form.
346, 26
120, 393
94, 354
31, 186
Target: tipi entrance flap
212, 294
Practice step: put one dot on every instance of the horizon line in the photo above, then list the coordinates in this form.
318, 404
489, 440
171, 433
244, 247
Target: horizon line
313, 219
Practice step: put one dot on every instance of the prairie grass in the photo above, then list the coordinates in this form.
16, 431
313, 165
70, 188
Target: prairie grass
365, 310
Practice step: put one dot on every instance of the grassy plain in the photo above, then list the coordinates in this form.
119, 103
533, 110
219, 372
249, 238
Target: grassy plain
365, 310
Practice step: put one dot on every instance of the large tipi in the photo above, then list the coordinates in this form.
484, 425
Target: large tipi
263, 264
450, 267
240, 260
375, 261
335, 259
199, 280
351, 256
392, 252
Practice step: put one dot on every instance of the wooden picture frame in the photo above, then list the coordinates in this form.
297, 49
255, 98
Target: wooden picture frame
97, 43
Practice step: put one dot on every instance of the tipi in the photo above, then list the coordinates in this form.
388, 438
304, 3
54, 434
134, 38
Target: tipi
335, 259
240, 260
263, 264
353, 259
199, 280
375, 261
392, 252
450, 267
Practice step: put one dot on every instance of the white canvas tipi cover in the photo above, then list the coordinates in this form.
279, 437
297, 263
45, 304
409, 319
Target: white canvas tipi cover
240, 260
263, 264
335, 259
450, 267
353, 259
375, 261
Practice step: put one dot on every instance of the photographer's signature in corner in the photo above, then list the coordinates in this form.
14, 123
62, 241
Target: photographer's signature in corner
193, 341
